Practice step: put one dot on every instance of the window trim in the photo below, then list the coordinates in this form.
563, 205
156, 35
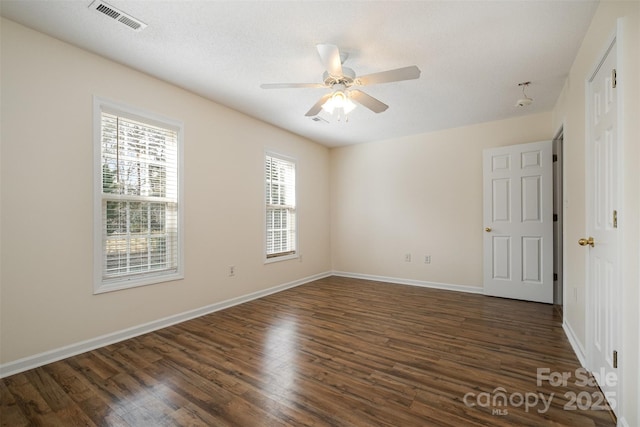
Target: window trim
100, 285
268, 259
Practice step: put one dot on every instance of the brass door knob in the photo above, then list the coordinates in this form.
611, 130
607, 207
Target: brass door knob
488, 229
585, 242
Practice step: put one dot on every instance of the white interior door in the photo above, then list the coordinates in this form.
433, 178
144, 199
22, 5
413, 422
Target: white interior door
518, 221
601, 241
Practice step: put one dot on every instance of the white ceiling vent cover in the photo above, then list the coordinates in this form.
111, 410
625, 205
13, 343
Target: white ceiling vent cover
118, 15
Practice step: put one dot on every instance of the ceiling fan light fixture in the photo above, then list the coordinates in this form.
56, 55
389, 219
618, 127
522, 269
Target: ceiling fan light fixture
339, 100
349, 106
329, 106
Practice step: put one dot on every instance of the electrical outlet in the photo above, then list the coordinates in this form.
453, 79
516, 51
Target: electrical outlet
427, 259
407, 257
232, 270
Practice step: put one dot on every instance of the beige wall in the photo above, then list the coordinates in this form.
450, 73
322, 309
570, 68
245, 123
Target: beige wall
570, 112
46, 176
420, 195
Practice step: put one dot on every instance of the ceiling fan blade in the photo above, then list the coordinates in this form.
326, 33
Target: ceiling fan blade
406, 73
317, 107
367, 101
330, 57
290, 85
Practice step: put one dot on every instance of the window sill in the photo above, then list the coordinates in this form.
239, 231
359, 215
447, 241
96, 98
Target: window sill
117, 285
281, 258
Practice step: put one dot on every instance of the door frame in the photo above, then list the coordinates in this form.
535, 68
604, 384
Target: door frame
614, 38
559, 293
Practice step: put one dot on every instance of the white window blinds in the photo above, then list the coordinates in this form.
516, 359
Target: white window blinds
280, 180
139, 198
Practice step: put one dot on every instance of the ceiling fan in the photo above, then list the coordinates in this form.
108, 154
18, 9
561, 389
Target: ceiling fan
342, 82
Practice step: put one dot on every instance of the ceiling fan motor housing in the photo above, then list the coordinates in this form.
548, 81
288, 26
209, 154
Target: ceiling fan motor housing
346, 79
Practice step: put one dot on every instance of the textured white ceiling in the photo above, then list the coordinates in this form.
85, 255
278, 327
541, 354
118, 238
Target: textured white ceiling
472, 54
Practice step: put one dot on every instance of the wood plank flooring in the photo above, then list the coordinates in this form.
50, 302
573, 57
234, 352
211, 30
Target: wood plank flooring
334, 352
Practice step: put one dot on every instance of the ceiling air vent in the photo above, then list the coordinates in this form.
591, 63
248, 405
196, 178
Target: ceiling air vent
118, 15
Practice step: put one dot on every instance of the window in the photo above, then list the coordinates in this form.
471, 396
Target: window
280, 181
137, 207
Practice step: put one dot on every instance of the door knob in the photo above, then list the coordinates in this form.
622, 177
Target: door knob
585, 242
488, 229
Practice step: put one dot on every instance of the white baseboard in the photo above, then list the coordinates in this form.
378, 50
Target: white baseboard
412, 282
578, 349
50, 356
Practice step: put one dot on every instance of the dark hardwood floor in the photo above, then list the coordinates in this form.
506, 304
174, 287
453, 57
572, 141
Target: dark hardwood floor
335, 352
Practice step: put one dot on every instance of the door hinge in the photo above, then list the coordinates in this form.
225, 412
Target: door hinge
555, 277
555, 157
555, 217
615, 358
615, 219
614, 78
